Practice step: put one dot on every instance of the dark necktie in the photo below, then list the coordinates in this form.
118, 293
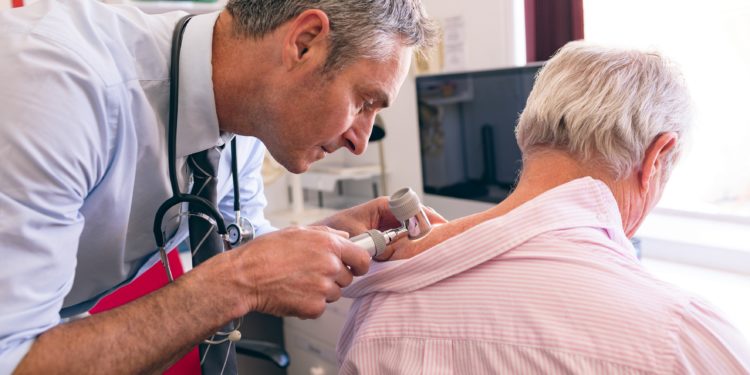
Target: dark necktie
205, 242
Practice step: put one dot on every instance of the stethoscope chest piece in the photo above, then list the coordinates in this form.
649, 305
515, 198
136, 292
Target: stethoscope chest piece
240, 232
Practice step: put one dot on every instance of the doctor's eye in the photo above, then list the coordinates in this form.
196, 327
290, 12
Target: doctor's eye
367, 105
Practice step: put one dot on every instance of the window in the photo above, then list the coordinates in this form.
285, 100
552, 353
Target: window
709, 41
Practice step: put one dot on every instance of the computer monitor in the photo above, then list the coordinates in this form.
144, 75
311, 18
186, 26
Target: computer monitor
466, 131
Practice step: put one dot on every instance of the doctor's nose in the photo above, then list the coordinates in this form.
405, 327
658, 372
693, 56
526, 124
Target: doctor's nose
357, 136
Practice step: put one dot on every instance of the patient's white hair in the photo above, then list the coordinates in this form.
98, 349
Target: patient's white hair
605, 105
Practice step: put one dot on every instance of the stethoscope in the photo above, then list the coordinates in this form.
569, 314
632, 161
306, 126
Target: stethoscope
232, 235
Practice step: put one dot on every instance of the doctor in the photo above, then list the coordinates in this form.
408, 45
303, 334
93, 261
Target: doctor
83, 114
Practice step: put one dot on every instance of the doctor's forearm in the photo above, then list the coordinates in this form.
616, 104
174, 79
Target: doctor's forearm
143, 336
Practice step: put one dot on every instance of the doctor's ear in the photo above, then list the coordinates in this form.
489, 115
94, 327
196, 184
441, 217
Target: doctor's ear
306, 38
654, 158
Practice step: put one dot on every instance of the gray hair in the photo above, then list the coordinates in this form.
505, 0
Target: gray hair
359, 28
605, 105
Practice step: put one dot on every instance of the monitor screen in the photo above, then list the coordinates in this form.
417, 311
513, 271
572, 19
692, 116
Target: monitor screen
466, 131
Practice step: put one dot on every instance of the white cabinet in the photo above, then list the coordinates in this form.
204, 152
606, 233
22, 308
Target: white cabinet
311, 344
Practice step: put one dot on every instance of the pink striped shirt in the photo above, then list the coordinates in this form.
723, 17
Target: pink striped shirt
551, 287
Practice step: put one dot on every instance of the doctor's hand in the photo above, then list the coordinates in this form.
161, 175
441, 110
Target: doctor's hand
296, 271
374, 214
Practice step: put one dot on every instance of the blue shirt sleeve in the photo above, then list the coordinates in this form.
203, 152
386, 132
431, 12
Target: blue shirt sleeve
47, 129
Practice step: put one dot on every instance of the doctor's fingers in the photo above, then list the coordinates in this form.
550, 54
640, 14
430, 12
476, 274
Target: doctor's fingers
352, 256
344, 277
334, 293
433, 216
356, 258
386, 254
326, 229
335, 272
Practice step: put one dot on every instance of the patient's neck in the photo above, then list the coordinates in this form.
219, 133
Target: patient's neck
544, 170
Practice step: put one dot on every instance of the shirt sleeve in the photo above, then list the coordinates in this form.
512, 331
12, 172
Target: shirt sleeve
251, 152
709, 344
47, 126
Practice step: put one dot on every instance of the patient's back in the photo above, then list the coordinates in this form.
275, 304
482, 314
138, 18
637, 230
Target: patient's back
561, 292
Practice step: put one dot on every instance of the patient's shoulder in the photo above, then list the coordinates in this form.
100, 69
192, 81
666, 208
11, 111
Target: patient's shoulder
404, 248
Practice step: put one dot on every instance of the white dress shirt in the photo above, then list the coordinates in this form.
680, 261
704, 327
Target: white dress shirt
84, 91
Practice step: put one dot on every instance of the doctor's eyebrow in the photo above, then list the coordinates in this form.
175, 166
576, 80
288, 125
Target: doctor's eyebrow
378, 96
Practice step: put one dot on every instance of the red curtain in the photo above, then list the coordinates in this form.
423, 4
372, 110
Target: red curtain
550, 24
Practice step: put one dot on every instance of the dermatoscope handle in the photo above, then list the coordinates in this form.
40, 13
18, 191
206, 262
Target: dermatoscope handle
405, 206
373, 241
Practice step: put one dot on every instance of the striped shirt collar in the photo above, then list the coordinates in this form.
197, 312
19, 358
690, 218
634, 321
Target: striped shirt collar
583, 202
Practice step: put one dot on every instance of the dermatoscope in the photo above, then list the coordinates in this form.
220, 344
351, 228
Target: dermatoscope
405, 206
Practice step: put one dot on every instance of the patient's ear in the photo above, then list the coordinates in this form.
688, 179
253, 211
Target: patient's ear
654, 159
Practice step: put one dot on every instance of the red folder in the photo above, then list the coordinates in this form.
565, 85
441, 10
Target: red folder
149, 281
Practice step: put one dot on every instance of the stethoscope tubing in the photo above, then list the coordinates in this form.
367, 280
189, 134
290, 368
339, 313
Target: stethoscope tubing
197, 203
202, 204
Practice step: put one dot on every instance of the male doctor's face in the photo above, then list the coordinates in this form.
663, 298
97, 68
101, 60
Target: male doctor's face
322, 113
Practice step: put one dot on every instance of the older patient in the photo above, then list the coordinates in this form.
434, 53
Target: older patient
547, 281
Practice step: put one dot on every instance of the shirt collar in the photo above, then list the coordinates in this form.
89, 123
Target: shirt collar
583, 202
197, 122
